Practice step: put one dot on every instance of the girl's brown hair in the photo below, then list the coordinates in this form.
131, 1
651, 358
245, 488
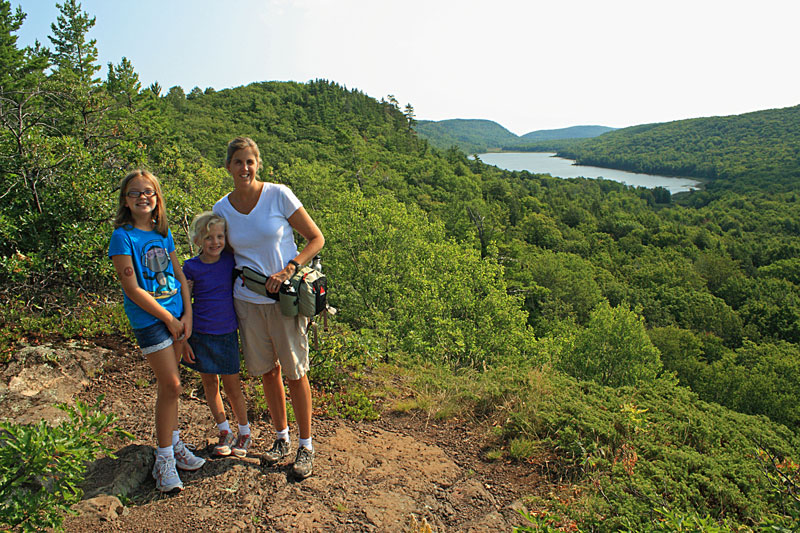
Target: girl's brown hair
237, 144
124, 217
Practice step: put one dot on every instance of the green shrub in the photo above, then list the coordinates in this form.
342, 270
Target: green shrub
42, 467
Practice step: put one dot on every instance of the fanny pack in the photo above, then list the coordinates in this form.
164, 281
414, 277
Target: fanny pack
305, 293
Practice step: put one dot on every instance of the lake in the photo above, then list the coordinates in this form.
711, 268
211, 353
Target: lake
546, 163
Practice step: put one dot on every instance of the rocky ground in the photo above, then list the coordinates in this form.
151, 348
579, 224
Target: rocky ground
401, 473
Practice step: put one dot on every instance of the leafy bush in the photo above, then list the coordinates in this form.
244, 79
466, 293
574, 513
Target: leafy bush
42, 467
613, 349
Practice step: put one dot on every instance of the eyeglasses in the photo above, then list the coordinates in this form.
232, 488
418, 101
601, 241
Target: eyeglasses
136, 194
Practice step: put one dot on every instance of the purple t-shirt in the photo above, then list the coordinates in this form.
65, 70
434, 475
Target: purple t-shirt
212, 310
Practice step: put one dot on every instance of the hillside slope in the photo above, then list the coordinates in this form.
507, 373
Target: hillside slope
573, 132
469, 135
761, 148
474, 136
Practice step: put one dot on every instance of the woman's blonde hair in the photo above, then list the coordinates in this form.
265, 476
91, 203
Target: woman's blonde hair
124, 217
201, 226
237, 144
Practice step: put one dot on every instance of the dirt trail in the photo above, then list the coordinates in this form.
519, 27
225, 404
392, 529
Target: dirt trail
382, 476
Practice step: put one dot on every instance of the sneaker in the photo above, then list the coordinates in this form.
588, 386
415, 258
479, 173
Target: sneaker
165, 474
185, 459
279, 450
240, 448
226, 440
303, 463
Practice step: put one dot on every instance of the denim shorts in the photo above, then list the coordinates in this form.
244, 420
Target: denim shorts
215, 354
153, 338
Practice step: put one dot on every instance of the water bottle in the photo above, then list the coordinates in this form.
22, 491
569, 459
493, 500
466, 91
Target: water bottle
288, 299
316, 263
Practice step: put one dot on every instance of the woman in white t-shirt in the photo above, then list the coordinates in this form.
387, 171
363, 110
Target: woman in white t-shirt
261, 218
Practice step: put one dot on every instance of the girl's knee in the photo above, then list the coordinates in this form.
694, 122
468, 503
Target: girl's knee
170, 387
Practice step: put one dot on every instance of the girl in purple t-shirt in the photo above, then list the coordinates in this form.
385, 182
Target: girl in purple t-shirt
213, 348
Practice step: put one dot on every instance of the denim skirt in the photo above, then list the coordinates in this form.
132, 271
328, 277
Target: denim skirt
215, 354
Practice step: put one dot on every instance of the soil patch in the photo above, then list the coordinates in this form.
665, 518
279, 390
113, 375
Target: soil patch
382, 476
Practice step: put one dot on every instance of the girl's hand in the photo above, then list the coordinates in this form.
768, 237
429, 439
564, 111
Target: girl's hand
176, 329
187, 354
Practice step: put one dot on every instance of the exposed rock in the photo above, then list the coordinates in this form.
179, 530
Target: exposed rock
122, 475
104, 507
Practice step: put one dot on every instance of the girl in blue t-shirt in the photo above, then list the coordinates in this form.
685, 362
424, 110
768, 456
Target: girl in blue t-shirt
158, 304
213, 347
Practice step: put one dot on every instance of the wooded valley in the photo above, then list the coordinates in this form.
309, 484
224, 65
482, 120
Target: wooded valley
650, 343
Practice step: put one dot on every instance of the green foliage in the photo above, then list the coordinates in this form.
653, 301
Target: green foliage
613, 349
352, 404
396, 272
342, 355
42, 467
73, 316
540, 522
445, 265
476, 136
753, 149
673, 521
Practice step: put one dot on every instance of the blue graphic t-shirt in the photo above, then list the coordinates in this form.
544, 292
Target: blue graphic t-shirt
149, 252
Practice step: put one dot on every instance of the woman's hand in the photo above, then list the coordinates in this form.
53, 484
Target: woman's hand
274, 282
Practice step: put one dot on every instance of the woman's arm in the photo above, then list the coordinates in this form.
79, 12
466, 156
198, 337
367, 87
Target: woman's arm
301, 221
123, 264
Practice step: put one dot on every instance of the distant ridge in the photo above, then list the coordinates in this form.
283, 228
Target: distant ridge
749, 150
573, 132
477, 135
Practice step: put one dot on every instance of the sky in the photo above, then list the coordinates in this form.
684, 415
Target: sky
525, 64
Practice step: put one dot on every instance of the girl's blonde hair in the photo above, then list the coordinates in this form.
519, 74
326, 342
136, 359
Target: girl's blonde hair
124, 217
201, 226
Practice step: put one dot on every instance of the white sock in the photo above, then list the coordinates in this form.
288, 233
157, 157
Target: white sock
284, 434
224, 426
245, 429
176, 436
306, 443
166, 452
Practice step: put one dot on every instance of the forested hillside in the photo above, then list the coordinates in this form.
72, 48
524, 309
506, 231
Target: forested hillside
756, 150
476, 136
573, 132
470, 135
651, 351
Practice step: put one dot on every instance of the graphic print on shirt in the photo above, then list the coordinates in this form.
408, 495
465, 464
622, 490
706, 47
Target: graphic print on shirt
155, 265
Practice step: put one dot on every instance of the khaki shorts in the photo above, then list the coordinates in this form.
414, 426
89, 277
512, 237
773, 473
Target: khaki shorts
270, 339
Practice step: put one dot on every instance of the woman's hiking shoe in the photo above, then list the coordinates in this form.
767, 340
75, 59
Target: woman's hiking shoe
242, 444
226, 441
303, 463
279, 450
165, 474
185, 459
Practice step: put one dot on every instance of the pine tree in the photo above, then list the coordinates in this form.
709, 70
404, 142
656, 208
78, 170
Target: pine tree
73, 53
123, 82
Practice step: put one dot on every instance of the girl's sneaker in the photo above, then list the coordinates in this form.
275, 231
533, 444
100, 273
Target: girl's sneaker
165, 474
242, 444
185, 459
279, 450
225, 445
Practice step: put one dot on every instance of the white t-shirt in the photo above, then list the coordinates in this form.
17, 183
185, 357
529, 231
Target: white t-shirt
262, 239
